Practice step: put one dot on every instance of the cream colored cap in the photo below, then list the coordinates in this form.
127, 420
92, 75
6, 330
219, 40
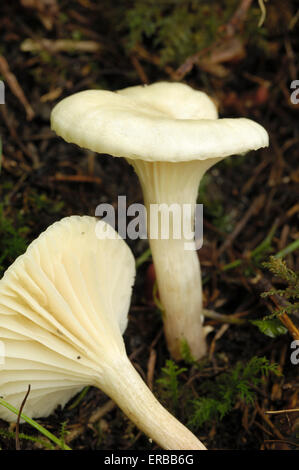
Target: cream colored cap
167, 122
63, 309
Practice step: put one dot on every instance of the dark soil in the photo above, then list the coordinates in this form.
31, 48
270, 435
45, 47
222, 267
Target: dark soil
44, 179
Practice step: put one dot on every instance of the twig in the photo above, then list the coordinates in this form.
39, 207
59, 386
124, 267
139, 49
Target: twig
60, 45
98, 414
272, 412
217, 336
253, 209
263, 13
230, 29
15, 87
13, 133
287, 322
94, 418
156, 339
18, 447
238, 18
259, 425
256, 172
223, 318
261, 247
77, 178
139, 69
269, 422
282, 440
288, 249
16, 187
151, 368
153, 59
261, 285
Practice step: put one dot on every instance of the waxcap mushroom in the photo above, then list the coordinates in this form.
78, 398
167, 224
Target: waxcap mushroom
170, 134
63, 310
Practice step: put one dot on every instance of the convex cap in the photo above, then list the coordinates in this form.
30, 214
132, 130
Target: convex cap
166, 122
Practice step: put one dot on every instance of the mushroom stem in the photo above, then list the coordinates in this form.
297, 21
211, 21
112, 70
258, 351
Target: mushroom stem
126, 388
177, 269
179, 283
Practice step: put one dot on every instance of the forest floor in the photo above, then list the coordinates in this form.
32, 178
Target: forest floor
250, 212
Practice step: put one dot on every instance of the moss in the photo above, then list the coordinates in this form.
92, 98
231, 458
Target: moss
177, 29
12, 239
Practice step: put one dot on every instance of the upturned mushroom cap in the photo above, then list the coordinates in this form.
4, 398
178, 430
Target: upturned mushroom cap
165, 122
63, 309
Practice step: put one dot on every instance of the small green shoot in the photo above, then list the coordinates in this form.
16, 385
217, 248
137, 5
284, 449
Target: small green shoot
291, 292
63, 433
229, 388
156, 299
278, 322
42, 442
265, 247
169, 381
35, 425
288, 249
186, 353
143, 258
79, 398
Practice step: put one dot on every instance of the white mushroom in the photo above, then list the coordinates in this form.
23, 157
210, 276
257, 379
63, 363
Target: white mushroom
63, 309
171, 135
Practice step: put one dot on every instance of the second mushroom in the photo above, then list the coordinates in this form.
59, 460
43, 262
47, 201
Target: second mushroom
171, 135
63, 310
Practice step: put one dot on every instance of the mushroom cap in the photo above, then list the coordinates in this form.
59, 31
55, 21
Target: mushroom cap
176, 100
63, 309
167, 122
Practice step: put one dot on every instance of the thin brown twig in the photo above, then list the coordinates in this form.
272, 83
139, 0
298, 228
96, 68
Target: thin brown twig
261, 284
142, 53
238, 18
259, 425
229, 29
235, 320
151, 368
77, 178
139, 69
218, 335
272, 412
13, 132
282, 440
269, 422
255, 207
15, 87
291, 327
102, 411
156, 339
18, 446
60, 45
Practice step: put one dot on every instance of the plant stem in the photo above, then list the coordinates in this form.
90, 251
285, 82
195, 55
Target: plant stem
143, 258
288, 249
287, 322
35, 425
224, 318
